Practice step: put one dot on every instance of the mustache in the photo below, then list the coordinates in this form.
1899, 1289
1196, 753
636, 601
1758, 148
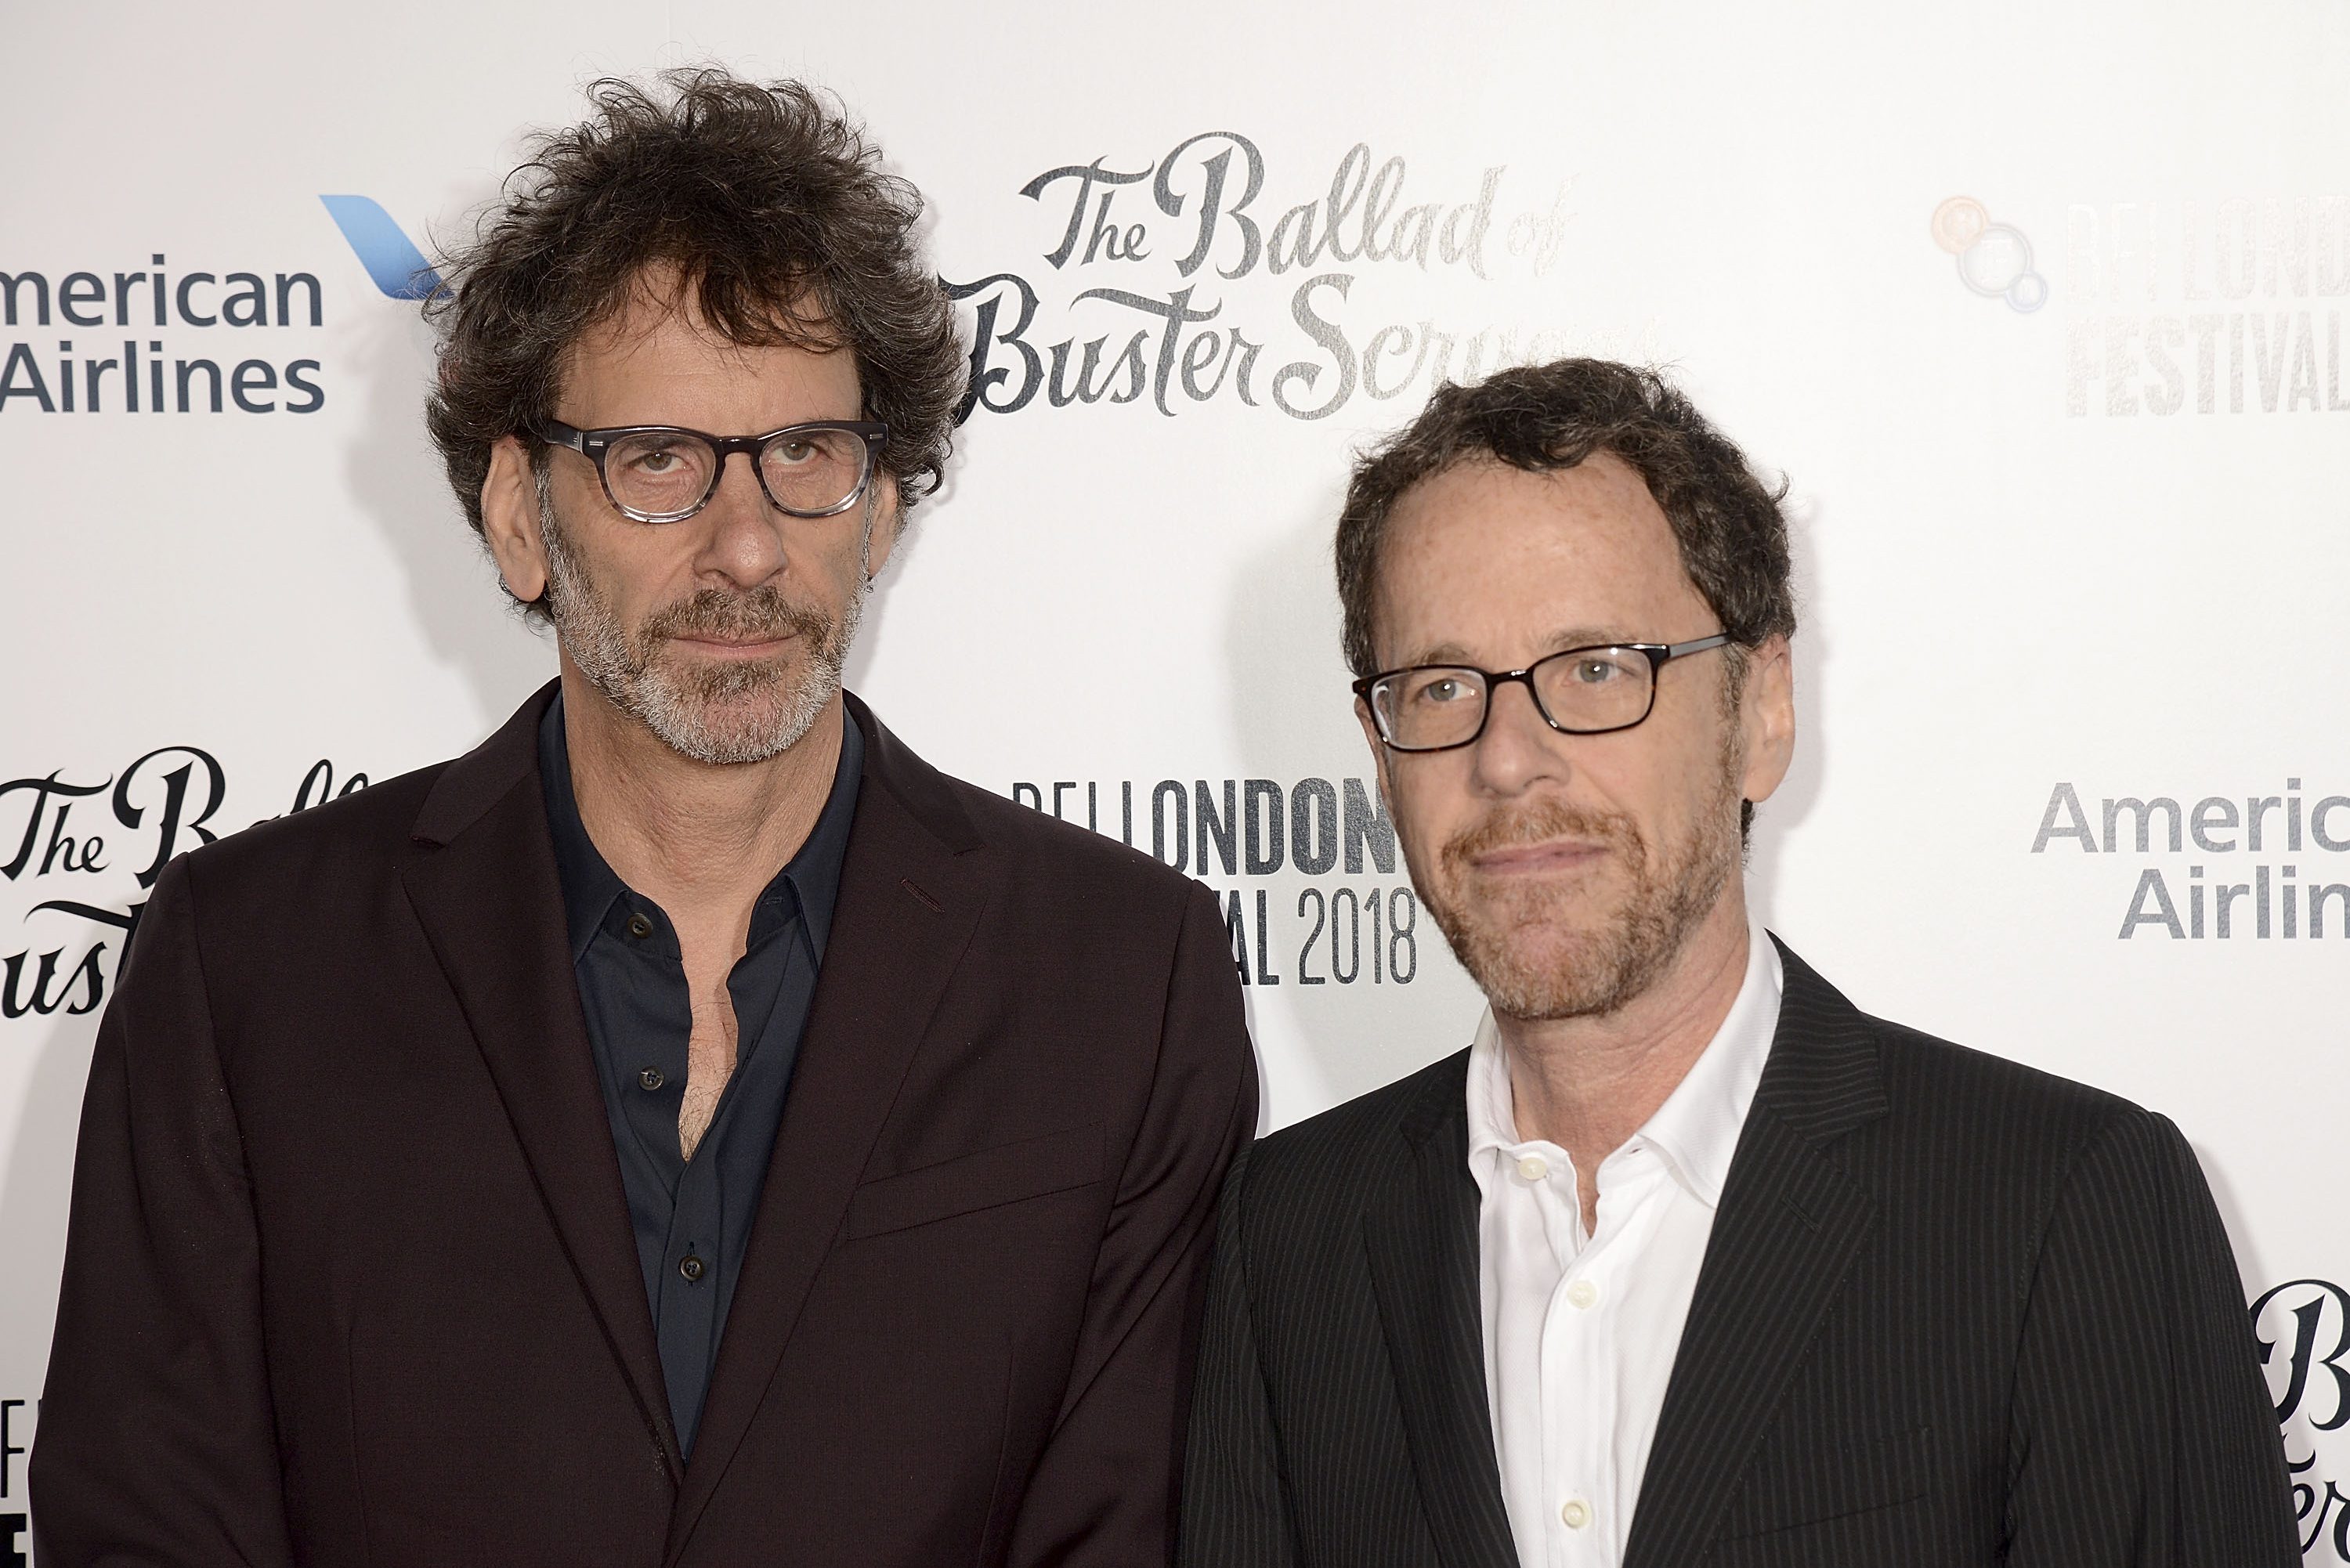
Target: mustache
1538, 821
764, 614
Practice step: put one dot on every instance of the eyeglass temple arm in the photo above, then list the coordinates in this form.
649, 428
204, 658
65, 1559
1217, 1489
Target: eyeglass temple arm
1673, 650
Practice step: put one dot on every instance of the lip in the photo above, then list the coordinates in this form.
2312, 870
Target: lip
1539, 859
722, 647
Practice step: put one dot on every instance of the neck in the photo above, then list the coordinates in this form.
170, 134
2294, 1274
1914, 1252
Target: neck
699, 839
1588, 1084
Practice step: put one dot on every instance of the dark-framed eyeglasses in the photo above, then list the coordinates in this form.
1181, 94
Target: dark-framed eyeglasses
1577, 690
666, 473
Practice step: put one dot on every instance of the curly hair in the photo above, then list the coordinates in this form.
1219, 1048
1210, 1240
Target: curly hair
1731, 533
769, 204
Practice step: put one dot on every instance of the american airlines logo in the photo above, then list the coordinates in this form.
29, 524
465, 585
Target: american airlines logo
159, 337
391, 257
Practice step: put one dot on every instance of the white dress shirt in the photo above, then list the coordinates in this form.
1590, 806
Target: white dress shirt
1581, 1330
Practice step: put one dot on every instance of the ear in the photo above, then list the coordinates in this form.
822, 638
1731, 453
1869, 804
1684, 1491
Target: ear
1380, 755
889, 522
510, 520
1767, 717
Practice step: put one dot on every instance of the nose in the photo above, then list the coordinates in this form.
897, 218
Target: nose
742, 532
1518, 747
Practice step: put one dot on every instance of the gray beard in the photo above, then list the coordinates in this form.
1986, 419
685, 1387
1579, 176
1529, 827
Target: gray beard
742, 711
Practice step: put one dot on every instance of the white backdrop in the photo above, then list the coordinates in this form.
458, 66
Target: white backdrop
2066, 481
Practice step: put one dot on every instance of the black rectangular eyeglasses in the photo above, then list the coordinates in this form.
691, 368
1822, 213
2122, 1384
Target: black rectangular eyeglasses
1589, 690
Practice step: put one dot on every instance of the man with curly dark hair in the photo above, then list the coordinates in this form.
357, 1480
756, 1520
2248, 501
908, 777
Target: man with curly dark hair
688, 1128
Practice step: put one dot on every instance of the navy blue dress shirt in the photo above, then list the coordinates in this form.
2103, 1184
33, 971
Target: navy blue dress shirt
692, 1218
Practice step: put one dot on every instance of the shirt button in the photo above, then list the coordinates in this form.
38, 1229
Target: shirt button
691, 1267
1533, 1167
1583, 1293
651, 1079
1576, 1513
641, 925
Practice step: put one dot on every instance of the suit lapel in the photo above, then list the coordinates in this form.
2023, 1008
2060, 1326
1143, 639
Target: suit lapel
1420, 1231
911, 892
482, 881
1790, 1224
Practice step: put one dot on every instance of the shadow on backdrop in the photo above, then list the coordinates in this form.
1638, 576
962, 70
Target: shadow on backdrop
1785, 811
857, 672
396, 480
2249, 1264
36, 1179
1288, 697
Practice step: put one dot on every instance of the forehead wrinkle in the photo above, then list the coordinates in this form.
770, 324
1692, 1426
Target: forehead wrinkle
1592, 529
661, 292
716, 386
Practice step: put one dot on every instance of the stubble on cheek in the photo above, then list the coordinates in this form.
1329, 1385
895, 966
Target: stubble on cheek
1584, 940
712, 710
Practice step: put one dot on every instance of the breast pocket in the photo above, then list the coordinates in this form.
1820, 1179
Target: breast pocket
985, 1179
1790, 1488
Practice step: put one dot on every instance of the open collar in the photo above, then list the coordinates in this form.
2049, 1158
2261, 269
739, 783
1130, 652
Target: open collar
1697, 1128
808, 884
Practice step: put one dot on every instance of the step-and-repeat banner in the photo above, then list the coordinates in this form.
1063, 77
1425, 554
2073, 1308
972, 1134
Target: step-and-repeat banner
2040, 310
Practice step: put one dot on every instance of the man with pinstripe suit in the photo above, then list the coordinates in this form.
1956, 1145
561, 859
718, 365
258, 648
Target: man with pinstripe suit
1685, 1261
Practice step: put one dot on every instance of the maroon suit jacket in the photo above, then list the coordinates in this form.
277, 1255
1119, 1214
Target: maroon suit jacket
351, 1279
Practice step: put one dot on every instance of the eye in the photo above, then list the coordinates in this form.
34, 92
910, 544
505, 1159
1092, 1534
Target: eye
1432, 691
656, 462
797, 450
1596, 671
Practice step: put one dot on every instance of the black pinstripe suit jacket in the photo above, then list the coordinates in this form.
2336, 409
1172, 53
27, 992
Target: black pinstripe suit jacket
1953, 1311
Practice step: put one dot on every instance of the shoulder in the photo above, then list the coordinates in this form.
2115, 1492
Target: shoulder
1040, 860
1059, 886
1410, 1106
288, 890
1048, 847
1993, 1103
1331, 1161
2012, 1115
1989, 1142
335, 841
1836, 1068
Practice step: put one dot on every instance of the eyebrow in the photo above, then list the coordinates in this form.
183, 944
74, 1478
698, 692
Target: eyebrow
1557, 642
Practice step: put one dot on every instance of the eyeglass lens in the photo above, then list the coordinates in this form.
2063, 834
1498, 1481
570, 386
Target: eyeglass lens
1590, 689
668, 472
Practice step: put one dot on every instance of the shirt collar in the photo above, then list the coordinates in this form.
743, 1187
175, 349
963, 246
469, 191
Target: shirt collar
814, 871
1493, 1108
1697, 1128
808, 885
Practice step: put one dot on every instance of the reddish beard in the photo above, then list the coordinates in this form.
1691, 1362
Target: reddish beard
1549, 946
